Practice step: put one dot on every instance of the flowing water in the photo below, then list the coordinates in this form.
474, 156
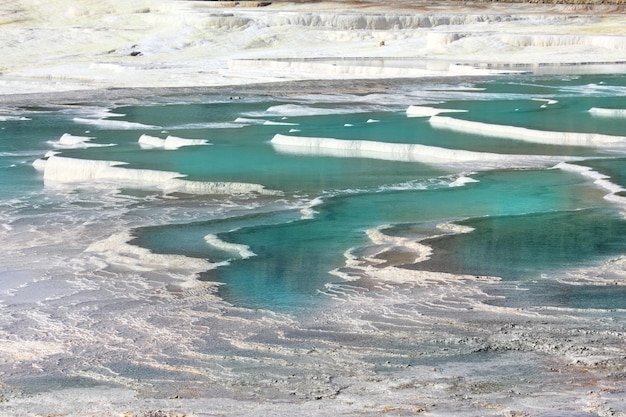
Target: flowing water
276, 248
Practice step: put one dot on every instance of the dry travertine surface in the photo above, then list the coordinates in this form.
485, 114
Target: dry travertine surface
412, 3
63, 46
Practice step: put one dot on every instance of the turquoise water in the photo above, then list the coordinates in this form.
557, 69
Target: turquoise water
514, 246
277, 250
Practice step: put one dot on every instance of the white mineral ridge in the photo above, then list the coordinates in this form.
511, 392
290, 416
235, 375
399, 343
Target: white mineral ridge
65, 45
